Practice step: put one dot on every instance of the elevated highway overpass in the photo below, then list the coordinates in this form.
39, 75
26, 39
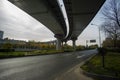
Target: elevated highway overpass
80, 13
48, 12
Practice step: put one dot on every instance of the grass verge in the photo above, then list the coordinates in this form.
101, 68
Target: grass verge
31, 53
112, 65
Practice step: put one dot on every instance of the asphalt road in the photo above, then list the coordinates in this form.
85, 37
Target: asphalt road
45, 67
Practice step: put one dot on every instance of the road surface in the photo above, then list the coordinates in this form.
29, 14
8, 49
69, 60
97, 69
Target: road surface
45, 67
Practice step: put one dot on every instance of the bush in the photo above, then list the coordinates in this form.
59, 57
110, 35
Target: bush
102, 51
113, 49
7, 50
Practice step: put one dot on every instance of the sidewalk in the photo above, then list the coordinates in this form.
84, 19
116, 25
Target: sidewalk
73, 74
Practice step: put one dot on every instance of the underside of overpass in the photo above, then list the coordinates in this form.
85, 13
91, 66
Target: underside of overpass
80, 13
45, 11
48, 12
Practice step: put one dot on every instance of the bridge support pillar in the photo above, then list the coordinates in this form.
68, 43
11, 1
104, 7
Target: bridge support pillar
59, 41
58, 44
74, 43
65, 43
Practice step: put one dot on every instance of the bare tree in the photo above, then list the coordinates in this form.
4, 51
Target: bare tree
111, 26
111, 11
112, 31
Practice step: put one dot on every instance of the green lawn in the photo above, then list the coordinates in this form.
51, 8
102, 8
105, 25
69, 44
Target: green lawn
112, 65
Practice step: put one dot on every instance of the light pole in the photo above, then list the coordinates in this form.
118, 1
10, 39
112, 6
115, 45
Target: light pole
99, 34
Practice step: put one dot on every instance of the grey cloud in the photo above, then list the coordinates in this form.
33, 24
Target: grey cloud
19, 25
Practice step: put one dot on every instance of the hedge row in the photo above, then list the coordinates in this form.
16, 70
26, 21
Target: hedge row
7, 50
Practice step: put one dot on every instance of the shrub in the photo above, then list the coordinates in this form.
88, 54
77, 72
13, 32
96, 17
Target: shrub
113, 49
7, 50
102, 51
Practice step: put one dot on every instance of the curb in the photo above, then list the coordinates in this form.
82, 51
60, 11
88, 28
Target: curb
97, 76
100, 77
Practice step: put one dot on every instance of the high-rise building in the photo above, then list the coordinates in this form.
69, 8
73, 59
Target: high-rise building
1, 34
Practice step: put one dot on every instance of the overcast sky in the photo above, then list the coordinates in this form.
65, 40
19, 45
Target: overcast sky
16, 24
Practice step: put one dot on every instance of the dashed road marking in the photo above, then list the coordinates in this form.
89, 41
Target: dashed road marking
80, 56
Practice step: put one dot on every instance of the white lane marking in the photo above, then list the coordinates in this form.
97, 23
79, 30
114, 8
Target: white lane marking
80, 56
84, 55
67, 54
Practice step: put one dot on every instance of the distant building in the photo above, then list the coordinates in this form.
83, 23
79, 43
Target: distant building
11, 41
20, 45
1, 34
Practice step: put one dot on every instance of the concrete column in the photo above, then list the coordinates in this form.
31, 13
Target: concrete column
58, 44
74, 43
59, 38
65, 44
62, 45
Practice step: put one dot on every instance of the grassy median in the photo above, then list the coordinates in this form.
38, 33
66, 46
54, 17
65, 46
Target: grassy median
30, 53
112, 65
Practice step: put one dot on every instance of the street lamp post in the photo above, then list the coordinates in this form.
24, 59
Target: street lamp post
99, 34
